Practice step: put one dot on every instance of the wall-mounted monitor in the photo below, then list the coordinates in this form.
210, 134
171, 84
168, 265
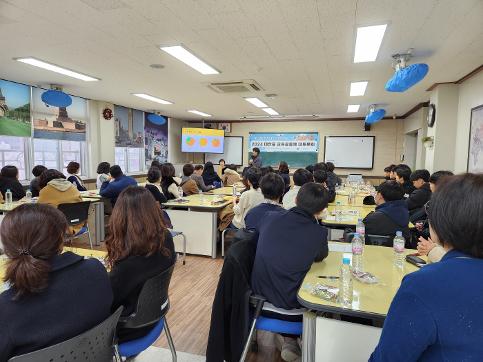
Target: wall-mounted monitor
202, 140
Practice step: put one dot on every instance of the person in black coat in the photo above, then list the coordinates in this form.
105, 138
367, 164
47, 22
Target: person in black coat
52, 296
153, 184
391, 212
321, 177
34, 183
422, 193
139, 247
332, 179
209, 175
284, 172
9, 181
403, 175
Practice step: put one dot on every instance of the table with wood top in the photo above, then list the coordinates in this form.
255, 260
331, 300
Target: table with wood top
370, 301
96, 218
197, 216
228, 191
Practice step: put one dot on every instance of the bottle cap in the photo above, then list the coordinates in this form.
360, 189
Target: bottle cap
337, 203
359, 220
398, 233
357, 235
8, 190
346, 261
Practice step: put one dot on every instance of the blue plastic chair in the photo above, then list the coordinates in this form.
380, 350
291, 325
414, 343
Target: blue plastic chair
151, 310
268, 324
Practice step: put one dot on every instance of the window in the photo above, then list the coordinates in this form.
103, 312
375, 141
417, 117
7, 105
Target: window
12, 152
130, 159
58, 153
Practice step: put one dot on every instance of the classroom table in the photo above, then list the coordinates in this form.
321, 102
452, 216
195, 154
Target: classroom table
228, 191
350, 215
343, 199
96, 218
370, 301
197, 216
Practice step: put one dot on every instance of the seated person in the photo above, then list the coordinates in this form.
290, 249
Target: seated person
387, 172
284, 171
422, 193
391, 212
102, 173
73, 170
169, 182
332, 179
188, 185
9, 181
425, 245
199, 179
249, 199
153, 184
139, 247
230, 176
320, 177
300, 178
53, 296
116, 184
221, 167
272, 187
289, 243
437, 309
34, 184
56, 190
403, 175
210, 177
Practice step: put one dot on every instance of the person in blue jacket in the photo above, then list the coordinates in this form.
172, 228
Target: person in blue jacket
437, 313
118, 182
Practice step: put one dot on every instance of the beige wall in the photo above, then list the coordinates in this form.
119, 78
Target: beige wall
388, 133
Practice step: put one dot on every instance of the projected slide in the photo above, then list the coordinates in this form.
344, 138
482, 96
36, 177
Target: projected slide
202, 140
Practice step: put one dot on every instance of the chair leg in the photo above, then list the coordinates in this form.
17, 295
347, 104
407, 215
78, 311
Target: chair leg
117, 355
223, 242
89, 235
170, 341
184, 248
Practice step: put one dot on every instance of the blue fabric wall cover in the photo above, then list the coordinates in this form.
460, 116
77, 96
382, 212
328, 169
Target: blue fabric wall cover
405, 78
375, 116
56, 98
156, 119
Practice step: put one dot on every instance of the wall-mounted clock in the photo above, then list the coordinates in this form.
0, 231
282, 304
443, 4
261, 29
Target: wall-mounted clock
431, 115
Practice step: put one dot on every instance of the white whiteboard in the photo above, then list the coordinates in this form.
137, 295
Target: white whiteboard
233, 152
350, 151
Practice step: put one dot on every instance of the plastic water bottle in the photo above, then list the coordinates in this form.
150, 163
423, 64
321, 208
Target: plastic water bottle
28, 195
357, 251
233, 191
180, 192
345, 284
338, 211
361, 229
398, 246
8, 197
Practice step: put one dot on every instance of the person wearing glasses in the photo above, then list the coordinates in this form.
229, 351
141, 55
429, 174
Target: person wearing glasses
436, 313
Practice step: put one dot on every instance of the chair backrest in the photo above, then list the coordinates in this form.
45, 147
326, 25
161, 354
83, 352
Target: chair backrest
371, 239
153, 302
97, 344
76, 213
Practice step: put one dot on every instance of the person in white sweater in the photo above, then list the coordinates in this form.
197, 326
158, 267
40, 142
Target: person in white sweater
300, 178
249, 199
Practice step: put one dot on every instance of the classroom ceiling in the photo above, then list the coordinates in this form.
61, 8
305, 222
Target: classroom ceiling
301, 50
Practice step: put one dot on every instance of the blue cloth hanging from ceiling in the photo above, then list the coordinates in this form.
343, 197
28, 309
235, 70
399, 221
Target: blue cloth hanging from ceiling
56, 98
156, 119
375, 116
405, 78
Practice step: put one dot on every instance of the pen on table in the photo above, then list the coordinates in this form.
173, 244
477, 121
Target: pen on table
327, 277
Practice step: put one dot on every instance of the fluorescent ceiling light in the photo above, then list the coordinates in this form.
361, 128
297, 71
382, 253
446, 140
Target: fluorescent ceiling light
353, 108
190, 59
271, 111
256, 102
203, 114
151, 98
358, 88
56, 69
368, 41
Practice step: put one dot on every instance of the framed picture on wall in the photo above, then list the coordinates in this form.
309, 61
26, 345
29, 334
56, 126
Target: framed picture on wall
475, 149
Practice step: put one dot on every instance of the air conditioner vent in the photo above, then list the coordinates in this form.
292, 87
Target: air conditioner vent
243, 86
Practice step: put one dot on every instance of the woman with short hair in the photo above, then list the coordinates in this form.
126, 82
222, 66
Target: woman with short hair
9, 181
52, 296
73, 170
436, 314
102, 173
139, 247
